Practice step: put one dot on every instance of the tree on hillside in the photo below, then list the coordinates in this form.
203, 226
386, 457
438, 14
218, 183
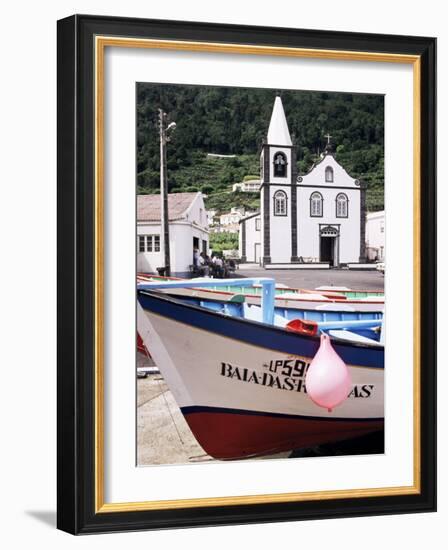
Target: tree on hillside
234, 121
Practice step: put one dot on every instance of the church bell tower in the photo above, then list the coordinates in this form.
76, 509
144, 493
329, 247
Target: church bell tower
278, 191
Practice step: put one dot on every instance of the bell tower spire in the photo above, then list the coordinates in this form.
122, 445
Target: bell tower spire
278, 133
278, 190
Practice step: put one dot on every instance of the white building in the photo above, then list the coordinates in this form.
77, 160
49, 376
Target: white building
210, 216
232, 217
318, 217
249, 186
188, 231
229, 221
250, 235
375, 240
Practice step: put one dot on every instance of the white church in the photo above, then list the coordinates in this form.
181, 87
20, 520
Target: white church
316, 219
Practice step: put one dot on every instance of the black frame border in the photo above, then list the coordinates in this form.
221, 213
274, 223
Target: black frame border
76, 262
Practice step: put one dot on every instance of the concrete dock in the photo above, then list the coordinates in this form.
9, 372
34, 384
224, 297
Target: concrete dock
163, 436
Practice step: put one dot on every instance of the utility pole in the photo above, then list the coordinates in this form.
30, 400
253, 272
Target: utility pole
165, 227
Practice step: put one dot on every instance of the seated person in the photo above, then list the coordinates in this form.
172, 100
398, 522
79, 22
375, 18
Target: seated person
204, 268
217, 266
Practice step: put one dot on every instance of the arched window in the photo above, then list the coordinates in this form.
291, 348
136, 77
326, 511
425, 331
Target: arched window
280, 164
280, 203
329, 174
316, 205
341, 206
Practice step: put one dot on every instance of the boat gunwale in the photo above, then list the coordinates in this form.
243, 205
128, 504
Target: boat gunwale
171, 294
281, 330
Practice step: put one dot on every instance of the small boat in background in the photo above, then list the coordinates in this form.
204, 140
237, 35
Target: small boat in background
349, 293
337, 299
238, 371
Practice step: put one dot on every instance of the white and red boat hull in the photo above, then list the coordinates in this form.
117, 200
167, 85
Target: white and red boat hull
241, 385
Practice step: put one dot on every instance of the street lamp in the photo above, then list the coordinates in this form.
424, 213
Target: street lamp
164, 139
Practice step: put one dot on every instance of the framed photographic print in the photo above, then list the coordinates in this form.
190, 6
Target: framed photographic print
246, 271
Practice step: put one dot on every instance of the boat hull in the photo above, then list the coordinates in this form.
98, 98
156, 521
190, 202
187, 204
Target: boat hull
241, 434
241, 384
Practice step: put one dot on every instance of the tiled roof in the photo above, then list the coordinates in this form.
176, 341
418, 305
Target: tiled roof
148, 206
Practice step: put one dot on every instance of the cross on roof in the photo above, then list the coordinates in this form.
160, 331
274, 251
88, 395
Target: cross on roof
328, 138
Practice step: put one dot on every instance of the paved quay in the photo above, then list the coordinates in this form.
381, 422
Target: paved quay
163, 435
312, 278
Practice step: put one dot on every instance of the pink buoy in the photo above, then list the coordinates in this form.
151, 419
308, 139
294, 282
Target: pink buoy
328, 381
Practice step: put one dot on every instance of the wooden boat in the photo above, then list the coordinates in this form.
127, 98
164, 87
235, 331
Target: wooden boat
239, 380
285, 297
232, 305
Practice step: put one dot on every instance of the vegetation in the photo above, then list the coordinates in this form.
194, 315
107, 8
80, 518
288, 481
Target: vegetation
234, 121
223, 241
223, 201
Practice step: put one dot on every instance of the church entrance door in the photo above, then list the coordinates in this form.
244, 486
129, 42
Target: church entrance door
329, 245
327, 249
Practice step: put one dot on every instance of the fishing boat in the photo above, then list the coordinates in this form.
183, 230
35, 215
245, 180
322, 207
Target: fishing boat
240, 375
232, 305
227, 302
324, 298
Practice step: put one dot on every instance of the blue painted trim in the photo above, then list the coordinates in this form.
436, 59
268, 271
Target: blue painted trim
254, 333
202, 409
323, 317
267, 290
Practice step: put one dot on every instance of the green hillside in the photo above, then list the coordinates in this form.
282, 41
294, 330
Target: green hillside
234, 121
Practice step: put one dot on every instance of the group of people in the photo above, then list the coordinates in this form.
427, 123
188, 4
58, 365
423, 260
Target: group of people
216, 266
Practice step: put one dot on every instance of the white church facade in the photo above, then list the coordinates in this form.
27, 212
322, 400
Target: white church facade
315, 218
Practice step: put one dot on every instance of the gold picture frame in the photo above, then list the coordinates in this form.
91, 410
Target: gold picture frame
80, 35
